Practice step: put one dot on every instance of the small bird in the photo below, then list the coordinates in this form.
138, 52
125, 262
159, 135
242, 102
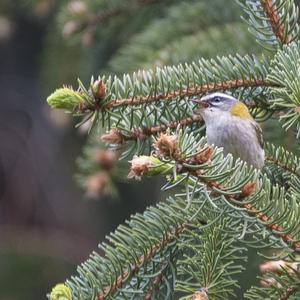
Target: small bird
229, 125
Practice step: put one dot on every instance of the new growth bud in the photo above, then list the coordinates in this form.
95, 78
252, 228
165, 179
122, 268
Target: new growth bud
200, 295
140, 165
61, 292
65, 98
278, 266
113, 137
70, 28
144, 165
272, 266
88, 37
97, 184
99, 89
106, 159
77, 8
166, 145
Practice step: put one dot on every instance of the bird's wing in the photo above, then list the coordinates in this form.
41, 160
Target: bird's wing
258, 132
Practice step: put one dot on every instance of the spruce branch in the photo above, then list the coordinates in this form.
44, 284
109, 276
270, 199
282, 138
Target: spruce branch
137, 251
117, 137
274, 23
208, 258
209, 262
163, 93
285, 69
142, 260
172, 222
132, 248
100, 168
219, 199
189, 92
252, 189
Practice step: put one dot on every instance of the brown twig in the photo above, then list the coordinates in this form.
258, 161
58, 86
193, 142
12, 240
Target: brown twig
144, 133
189, 92
275, 20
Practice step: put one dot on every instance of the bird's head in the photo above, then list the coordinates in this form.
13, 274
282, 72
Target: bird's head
215, 105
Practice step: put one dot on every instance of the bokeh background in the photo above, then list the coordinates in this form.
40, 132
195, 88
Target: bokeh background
47, 224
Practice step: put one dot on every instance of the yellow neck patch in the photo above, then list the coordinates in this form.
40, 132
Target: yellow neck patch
240, 110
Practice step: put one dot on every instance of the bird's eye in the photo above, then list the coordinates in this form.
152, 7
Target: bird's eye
217, 99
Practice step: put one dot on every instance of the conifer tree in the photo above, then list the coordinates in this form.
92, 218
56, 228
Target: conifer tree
193, 244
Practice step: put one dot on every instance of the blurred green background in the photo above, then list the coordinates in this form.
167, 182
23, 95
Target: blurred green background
47, 225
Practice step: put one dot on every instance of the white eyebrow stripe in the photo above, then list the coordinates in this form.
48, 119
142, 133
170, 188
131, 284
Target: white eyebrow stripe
217, 94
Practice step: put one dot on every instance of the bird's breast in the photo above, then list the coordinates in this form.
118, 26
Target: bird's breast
238, 137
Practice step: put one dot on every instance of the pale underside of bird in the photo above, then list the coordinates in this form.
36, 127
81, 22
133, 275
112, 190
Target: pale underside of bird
229, 125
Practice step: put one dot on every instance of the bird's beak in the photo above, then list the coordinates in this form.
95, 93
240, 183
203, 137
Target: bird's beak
201, 103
